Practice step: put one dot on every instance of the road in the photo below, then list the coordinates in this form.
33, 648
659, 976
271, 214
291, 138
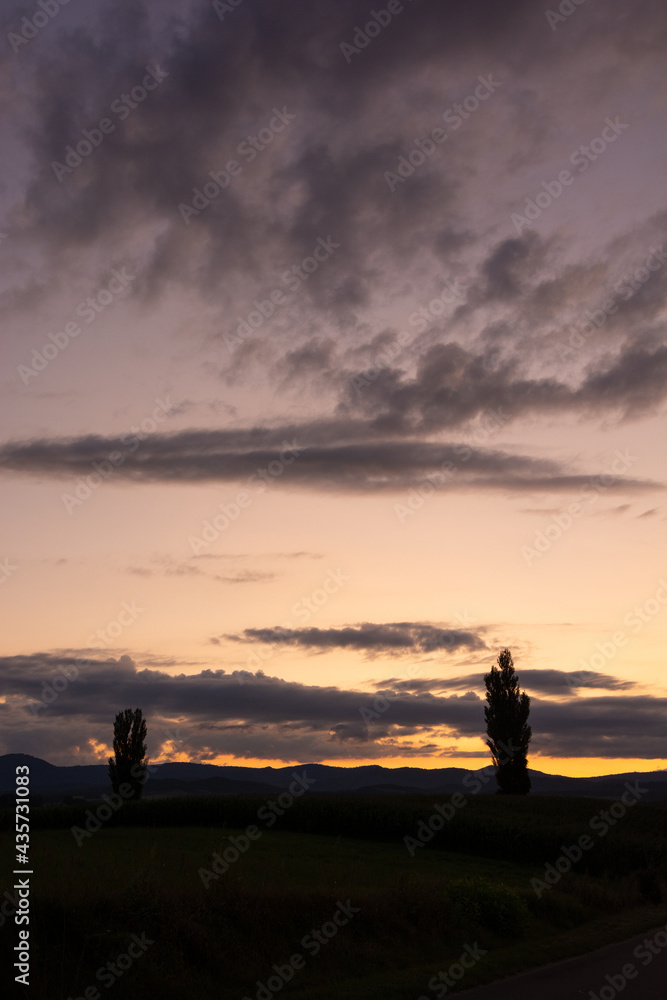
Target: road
635, 969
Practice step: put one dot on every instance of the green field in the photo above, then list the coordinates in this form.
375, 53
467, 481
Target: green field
416, 915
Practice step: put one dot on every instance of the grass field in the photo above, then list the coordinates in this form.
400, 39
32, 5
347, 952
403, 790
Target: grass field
416, 915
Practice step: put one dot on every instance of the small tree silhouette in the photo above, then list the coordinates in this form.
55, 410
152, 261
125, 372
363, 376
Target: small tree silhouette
509, 734
128, 765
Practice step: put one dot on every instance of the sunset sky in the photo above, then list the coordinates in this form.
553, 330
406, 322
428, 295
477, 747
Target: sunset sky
333, 364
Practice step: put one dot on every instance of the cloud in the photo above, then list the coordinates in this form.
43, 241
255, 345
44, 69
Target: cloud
223, 81
324, 455
554, 682
394, 638
168, 566
453, 386
253, 715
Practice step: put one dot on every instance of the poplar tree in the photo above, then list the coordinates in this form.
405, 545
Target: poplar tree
506, 716
128, 765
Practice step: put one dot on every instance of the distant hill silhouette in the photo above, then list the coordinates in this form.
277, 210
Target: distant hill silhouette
184, 778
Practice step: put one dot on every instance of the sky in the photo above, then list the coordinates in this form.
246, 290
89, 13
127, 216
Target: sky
333, 363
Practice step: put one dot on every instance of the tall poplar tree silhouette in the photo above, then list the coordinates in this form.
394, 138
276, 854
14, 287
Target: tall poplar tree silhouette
506, 716
128, 765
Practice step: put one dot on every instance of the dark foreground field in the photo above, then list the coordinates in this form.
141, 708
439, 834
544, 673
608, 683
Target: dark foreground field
328, 902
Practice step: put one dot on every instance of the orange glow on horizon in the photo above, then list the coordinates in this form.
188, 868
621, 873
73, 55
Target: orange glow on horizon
571, 767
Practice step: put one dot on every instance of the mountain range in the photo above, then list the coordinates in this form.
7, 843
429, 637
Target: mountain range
53, 783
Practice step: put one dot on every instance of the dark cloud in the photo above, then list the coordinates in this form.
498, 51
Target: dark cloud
225, 78
542, 298
307, 361
453, 385
554, 682
317, 179
502, 269
325, 458
394, 638
253, 715
621, 726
